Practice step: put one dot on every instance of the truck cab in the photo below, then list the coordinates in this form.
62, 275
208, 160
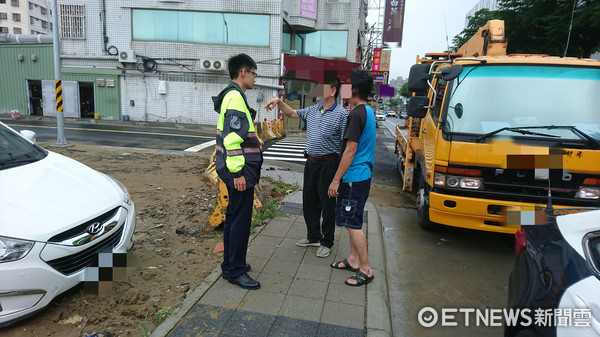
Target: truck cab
489, 137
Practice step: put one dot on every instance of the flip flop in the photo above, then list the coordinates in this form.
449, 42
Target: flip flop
347, 266
361, 278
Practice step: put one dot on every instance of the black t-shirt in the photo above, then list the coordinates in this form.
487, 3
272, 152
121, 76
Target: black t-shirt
357, 120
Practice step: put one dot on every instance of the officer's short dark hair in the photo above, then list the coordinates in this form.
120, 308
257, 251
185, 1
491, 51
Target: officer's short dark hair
237, 63
362, 84
334, 82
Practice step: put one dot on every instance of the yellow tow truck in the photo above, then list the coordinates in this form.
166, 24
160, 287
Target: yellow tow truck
490, 133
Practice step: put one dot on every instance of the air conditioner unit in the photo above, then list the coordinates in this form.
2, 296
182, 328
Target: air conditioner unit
214, 65
127, 56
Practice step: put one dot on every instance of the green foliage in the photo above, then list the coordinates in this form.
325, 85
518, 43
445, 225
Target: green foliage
542, 26
142, 328
269, 210
404, 91
284, 188
163, 313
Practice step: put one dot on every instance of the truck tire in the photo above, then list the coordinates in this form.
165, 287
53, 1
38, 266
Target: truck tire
423, 205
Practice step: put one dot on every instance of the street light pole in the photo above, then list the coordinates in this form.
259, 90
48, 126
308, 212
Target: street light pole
61, 140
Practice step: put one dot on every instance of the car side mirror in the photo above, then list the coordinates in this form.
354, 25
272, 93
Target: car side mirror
418, 76
417, 106
450, 73
29, 135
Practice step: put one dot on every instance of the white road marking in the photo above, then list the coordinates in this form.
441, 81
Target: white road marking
201, 147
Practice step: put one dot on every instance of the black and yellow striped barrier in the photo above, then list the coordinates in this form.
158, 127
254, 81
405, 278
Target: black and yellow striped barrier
59, 97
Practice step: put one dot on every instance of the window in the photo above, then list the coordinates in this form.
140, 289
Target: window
44, 24
324, 43
201, 27
44, 10
31, 20
2, 1
17, 30
286, 38
30, 5
16, 17
4, 30
72, 21
2, 15
14, 3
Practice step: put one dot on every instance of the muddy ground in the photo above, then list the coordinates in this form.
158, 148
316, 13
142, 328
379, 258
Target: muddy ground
172, 252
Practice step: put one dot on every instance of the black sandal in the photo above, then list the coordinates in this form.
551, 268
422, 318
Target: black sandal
361, 278
336, 265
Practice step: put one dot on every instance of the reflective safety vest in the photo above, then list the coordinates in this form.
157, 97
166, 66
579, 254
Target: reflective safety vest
239, 152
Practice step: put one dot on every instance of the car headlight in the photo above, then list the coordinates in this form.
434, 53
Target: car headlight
588, 192
13, 249
126, 198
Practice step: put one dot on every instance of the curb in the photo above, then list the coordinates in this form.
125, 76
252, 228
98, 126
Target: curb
378, 322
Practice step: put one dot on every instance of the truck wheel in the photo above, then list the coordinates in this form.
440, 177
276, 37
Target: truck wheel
423, 206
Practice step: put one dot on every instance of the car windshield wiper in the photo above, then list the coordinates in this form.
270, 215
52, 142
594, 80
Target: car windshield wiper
13, 161
520, 129
574, 129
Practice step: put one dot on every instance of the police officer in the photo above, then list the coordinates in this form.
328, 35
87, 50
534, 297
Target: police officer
238, 163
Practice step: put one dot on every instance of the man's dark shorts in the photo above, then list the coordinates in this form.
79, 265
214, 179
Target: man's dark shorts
351, 203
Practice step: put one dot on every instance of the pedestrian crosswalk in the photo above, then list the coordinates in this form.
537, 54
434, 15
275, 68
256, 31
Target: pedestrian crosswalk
291, 150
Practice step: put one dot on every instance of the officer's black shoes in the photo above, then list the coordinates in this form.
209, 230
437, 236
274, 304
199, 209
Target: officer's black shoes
226, 275
245, 281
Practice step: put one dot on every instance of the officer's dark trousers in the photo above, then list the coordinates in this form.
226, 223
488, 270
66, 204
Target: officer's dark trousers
315, 202
236, 231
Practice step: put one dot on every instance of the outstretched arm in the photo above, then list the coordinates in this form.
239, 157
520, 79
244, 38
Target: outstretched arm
286, 109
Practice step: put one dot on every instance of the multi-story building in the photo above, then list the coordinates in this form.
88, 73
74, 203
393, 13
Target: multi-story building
163, 60
25, 17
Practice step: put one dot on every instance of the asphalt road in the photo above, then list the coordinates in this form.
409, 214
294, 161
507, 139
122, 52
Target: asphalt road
444, 268
151, 137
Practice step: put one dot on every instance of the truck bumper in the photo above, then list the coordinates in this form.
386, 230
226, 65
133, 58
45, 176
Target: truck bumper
474, 213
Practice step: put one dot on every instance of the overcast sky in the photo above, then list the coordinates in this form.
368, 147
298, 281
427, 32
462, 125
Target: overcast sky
424, 30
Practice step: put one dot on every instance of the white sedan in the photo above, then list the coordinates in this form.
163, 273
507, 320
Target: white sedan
380, 116
56, 215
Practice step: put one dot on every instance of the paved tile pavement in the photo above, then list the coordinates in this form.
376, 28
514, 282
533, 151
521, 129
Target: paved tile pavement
300, 294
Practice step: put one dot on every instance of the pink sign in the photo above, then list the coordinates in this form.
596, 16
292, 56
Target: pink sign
308, 9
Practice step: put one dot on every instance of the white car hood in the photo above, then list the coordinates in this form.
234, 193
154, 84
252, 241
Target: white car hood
47, 197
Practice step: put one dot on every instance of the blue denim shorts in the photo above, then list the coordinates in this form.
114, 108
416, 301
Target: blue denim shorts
350, 203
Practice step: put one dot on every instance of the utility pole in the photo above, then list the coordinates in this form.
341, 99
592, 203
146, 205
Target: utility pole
61, 140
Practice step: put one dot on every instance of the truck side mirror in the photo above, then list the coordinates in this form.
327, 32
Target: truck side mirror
418, 76
417, 106
450, 73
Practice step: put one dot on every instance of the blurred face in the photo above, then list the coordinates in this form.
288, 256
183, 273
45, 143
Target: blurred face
324, 91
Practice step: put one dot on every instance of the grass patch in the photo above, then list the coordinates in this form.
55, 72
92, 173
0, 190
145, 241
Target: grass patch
284, 188
269, 210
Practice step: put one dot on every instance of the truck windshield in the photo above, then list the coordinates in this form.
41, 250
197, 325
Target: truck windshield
497, 100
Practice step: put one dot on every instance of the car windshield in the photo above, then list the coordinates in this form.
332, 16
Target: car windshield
16, 151
547, 100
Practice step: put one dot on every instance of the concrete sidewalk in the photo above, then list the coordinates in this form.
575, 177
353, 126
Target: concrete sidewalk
300, 294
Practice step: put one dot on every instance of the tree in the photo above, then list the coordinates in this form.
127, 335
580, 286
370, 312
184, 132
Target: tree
404, 91
542, 26
475, 22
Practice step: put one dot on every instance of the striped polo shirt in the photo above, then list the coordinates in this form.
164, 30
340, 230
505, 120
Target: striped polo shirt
324, 129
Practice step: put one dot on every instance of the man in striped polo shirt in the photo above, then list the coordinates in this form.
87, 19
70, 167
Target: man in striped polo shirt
325, 123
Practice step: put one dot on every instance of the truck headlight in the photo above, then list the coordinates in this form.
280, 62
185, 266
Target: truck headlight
13, 249
588, 192
439, 179
471, 183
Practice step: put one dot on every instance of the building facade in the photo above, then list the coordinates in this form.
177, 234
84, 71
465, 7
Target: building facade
163, 60
25, 17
